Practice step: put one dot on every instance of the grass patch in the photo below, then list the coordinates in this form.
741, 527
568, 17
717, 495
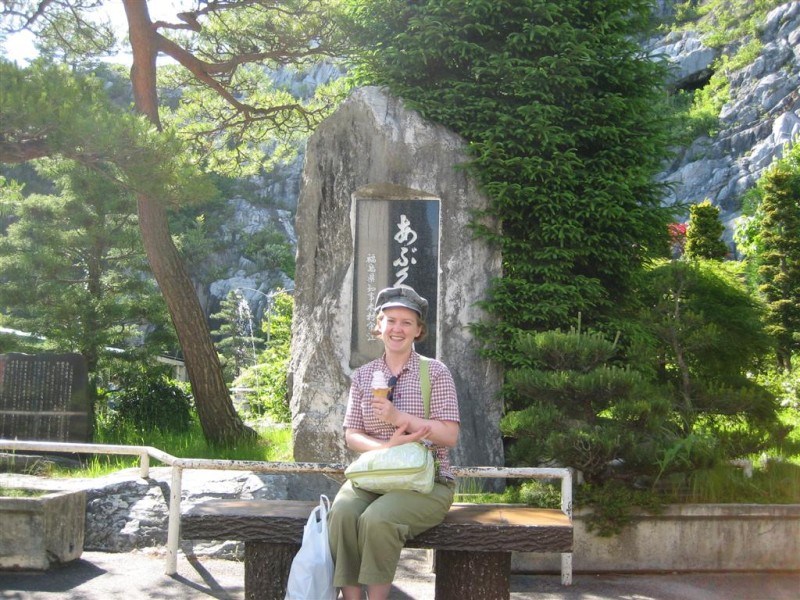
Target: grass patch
776, 482
533, 493
273, 444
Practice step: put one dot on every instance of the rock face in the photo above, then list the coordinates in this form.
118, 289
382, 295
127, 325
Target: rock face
761, 116
237, 270
372, 141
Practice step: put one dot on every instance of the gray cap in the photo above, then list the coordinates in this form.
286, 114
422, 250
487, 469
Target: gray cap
402, 296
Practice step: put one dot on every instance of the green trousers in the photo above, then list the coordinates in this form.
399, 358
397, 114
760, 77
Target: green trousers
367, 531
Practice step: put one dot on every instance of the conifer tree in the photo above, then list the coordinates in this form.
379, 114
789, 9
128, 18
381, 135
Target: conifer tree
709, 336
576, 408
73, 266
704, 234
779, 256
222, 52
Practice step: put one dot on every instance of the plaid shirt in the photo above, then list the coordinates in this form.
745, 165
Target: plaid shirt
407, 397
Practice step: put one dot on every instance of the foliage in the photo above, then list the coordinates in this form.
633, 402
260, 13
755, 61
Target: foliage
775, 482
722, 24
144, 398
632, 429
778, 255
707, 102
706, 105
573, 408
12, 341
230, 109
565, 123
613, 504
49, 111
73, 268
786, 387
266, 383
708, 336
697, 111
269, 249
703, 236
192, 228
215, 45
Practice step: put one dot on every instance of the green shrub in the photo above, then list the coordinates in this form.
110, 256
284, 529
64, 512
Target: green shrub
146, 398
270, 249
613, 505
708, 338
704, 234
572, 408
564, 118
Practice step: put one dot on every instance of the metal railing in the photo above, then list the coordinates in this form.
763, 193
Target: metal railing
145, 453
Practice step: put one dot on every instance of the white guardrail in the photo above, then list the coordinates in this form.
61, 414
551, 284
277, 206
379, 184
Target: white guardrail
145, 453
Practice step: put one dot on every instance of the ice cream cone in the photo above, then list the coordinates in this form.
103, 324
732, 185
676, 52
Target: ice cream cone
380, 392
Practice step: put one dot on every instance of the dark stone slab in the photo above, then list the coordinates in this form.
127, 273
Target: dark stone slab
396, 243
45, 397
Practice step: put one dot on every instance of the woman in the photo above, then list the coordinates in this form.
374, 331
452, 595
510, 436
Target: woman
367, 531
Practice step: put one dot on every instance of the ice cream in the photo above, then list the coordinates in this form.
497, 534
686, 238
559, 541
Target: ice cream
379, 385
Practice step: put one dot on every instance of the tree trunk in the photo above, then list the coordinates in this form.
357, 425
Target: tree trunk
218, 418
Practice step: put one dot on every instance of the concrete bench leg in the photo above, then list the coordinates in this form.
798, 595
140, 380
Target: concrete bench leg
473, 575
266, 569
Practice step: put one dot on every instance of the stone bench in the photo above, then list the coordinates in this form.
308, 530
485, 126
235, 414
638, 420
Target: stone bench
472, 546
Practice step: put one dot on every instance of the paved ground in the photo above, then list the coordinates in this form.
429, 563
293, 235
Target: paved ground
139, 576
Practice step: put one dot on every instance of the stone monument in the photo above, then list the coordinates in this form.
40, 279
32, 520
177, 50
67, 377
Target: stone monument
45, 397
385, 200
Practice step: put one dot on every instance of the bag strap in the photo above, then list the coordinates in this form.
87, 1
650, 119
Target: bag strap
425, 383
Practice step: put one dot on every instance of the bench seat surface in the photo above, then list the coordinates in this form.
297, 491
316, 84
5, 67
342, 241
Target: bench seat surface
468, 527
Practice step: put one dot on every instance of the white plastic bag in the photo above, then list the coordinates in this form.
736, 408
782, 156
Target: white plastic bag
311, 575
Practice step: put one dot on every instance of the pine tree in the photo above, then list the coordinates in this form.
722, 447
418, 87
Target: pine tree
709, 336
704, 234
779, 256
73, 266
574, 407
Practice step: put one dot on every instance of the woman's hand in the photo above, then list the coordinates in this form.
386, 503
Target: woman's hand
401, 435
385, 410
440, 433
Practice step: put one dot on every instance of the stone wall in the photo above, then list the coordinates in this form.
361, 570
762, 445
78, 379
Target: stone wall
373, 141
685, 538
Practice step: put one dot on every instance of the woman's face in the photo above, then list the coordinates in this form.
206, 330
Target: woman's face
399, 328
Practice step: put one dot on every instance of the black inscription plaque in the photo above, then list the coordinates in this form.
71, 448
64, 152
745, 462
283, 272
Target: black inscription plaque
396, 243
44, 397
